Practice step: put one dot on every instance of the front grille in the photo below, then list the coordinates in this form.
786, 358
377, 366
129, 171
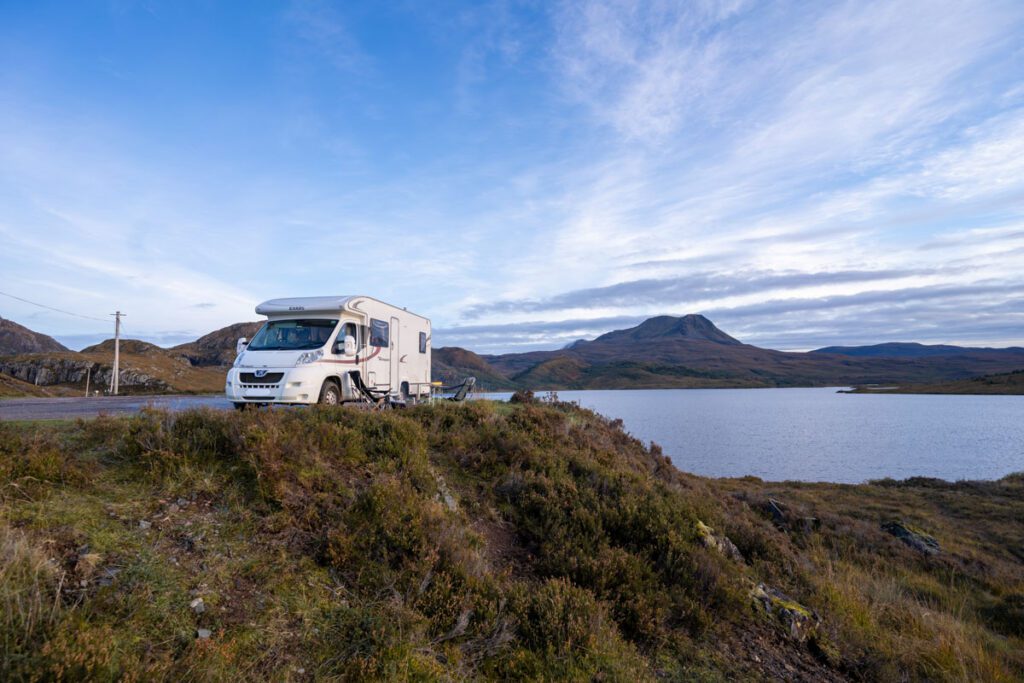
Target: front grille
268, 379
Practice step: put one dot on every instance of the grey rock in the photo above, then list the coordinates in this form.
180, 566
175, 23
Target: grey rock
800, 622
444, 495
45, 371
719, 542
145, 524
203, 633
916, 538
108, 575
198, 606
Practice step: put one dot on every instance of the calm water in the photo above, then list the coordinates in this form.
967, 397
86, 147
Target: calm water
821, 435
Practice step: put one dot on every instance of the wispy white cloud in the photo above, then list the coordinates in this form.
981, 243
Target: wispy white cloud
598, 160
836, 138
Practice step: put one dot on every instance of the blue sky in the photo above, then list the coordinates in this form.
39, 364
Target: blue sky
525, 174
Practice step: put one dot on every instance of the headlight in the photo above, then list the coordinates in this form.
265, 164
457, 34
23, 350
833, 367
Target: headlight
238, 359
310, 357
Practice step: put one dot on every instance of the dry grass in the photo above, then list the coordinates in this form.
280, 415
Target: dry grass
30, 589
486, 540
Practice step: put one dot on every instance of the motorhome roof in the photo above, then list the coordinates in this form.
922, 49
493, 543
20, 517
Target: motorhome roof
304, 304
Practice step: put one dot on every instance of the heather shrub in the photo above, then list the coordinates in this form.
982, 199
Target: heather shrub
531, 541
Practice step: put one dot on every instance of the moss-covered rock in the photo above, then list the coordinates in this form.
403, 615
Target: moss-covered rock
799, 622
916, 538
717, 542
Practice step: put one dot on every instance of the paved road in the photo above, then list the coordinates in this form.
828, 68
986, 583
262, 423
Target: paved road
71, 408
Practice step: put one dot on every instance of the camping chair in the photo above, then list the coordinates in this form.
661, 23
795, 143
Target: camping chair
460, 389
379, 398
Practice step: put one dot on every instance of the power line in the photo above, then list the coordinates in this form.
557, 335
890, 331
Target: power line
77, 315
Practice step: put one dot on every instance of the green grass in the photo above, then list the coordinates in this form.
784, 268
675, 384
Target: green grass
472, 541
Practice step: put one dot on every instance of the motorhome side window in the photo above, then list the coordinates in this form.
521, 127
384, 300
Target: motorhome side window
423, 342
379, 333
347, 330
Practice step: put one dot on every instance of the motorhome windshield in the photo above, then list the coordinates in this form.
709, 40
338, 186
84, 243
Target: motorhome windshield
292, 335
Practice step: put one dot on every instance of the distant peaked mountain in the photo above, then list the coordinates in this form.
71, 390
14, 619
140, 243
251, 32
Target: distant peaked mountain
914, 350
666, 327
690, 351
16, 339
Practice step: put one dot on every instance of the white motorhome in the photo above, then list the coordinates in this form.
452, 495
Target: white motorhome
331, 349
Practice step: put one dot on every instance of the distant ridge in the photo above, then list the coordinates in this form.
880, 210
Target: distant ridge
662, 352
451, 364
911, 350
15, 339
133, 346
217, 347
690, 352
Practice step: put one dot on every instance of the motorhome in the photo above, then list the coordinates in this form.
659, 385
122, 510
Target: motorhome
332, 349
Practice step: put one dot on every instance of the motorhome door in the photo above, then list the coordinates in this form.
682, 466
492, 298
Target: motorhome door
396, 376
380, 339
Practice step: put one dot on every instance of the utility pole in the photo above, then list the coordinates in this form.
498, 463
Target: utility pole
117, 351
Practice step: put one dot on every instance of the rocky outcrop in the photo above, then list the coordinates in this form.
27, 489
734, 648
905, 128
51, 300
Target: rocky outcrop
15, 338
800, 622
47, 371
718, 542
916, 538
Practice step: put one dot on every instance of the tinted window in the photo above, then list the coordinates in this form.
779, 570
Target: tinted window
423, 342
292, 335
379, 333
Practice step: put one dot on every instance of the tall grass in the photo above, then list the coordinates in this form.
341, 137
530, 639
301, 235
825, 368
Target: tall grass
496, 541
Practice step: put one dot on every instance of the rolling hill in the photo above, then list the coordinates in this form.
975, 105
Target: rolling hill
217, 347
144, 369
15, 338
915, 350
690, 351
662, 352
1005, 383
483, 541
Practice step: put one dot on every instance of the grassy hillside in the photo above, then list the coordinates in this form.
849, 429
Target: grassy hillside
217, 347
11, 387
15, 338
451, 365
144, 369
480, 540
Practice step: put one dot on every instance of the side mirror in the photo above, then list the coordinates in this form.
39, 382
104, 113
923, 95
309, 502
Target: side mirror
241, 344
350, 345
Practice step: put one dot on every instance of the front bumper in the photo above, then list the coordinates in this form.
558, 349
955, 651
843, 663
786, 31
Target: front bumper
296, 385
